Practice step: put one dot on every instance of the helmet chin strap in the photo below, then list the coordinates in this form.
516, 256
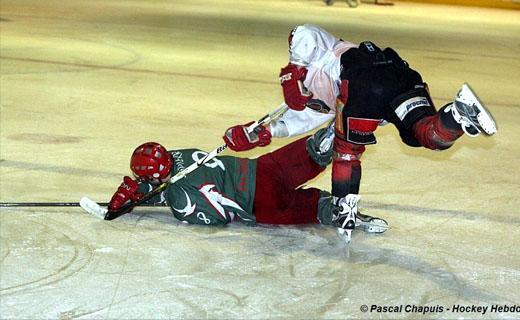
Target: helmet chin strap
167, 178
156, 181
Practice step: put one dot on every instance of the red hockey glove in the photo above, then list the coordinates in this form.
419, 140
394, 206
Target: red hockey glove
126, 191
294, 93
237, 138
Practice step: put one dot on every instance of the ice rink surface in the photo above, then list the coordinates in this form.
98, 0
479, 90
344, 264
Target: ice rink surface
84, 82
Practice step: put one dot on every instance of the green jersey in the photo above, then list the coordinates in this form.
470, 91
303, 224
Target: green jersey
220, 191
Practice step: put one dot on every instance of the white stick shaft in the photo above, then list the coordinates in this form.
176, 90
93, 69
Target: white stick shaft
268, 118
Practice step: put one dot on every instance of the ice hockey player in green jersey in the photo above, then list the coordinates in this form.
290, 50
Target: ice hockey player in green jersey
266, 190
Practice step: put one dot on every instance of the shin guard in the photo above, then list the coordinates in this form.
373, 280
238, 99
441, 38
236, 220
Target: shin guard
346, 168
437, 132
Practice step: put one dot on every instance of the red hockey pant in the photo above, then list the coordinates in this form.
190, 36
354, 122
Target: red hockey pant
279, 174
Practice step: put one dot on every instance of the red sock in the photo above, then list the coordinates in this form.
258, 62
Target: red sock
433, 134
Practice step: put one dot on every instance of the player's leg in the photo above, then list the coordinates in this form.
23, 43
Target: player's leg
275, 201
346, 178
437, 132
470, 113
319, 145
328, 214
466, 114
286, 206
371, 78
417, 120
301, 160
278, 200
346, 170
308, 206
419, 124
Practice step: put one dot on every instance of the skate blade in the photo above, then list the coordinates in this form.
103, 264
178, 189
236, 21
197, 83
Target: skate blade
345, 235
373, 226
484, 117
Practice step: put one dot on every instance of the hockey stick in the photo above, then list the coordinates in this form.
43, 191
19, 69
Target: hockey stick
61, 204
95, 209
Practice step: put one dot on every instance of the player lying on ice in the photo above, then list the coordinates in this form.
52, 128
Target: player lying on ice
265, 190
362, 87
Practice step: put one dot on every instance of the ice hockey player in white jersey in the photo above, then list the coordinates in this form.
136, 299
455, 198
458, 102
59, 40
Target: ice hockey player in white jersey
362, 87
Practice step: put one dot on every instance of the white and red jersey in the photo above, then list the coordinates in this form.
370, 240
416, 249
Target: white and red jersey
314, 48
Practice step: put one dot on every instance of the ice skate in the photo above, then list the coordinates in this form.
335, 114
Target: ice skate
326, 141
370, 224
319, 145
471, 113
346, 217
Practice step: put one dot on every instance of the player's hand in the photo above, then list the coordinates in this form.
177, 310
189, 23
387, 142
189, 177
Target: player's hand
126, 191
294, 93
238, 139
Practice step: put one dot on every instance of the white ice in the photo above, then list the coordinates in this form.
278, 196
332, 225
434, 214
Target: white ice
83, 82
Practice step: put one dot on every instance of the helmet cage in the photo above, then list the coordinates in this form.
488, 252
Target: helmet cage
151, 161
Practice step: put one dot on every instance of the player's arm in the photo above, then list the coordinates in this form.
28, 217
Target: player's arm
295, 95
294, 123
132, 190
292, 76
307, 44
237, 138
127, 191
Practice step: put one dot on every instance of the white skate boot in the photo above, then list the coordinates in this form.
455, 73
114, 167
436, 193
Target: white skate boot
319, 145
345, 220
471, 113
328, 139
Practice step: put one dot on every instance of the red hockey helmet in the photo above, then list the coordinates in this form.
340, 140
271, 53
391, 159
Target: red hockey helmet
151, 161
